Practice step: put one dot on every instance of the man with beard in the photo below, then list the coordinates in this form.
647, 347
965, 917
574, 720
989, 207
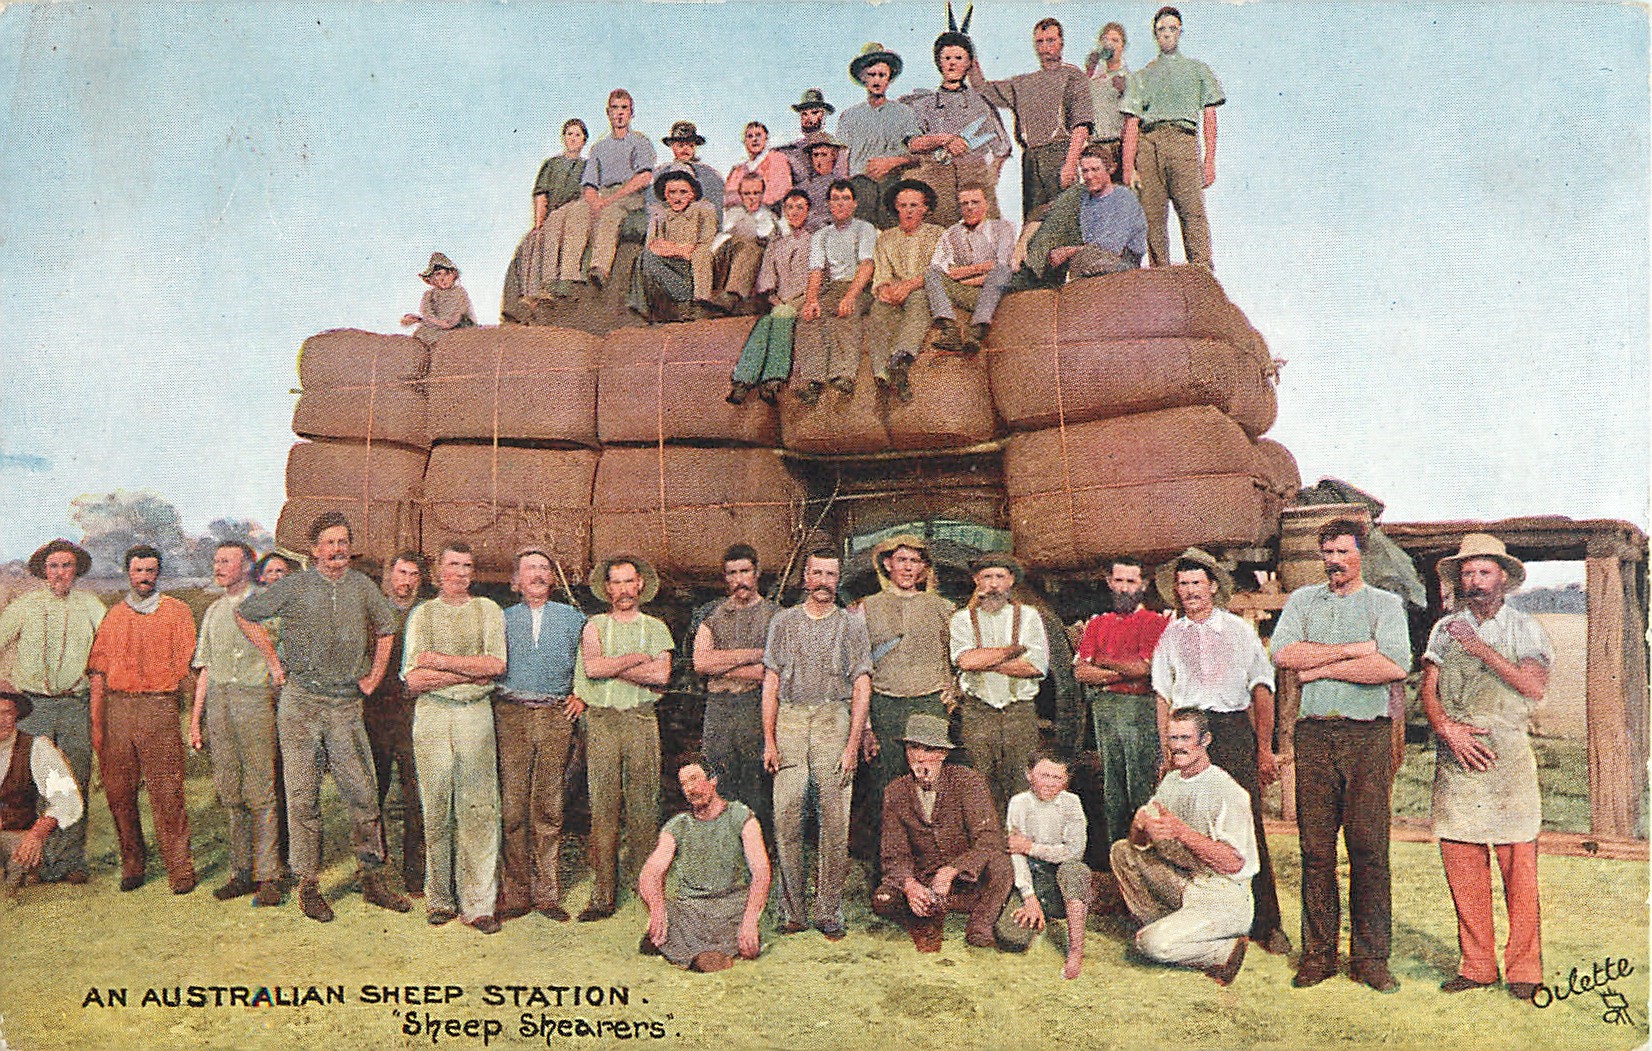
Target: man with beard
624, 664
728, 650
817, 685
1212, 660
388, 715
1001, 652
234, 699
1485, 670
337, 629
908, 625
943, 844
722, 878
812, 110
534, 709
1112, 663
140, 656
52, 629
1185, 869
1346, 641
963, 142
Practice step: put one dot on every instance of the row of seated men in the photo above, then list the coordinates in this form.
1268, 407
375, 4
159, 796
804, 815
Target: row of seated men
800, 701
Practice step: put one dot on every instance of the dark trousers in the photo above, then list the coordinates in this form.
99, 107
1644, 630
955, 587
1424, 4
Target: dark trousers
388, 714
732, 736
1233, 748
141, 743
982, 899
1343, 780
535, 744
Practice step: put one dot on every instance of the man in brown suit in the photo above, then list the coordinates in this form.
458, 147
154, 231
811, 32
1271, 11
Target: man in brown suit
940, 831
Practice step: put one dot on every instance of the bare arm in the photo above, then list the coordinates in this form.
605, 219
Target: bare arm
1090, 672
480, 666
1127, 151
1300, 656
860, 704
652, 672
651, 885
863, 278
1261, 714
811, 298
1210, 145
1372, 669
1075, 146
757, 895
381, 664
99, 685
709, 660
988, 658
427, 680
599, 667
1529, 678
196, 711
1222, 857
771, 717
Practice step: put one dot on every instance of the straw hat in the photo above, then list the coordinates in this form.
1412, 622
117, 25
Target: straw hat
438, 261
599, 578
1482, 545
37, 561
889, 544
1165, 579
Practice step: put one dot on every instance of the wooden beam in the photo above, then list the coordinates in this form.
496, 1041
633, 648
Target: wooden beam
1635, 694
1611, 781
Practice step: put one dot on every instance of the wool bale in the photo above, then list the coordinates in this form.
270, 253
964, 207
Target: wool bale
345, 357
1148, 484
377, 485
838, 423
951, 404
501, 499
362, 385
667, 382
681, 507
1279, 468
1148, 304
514, 384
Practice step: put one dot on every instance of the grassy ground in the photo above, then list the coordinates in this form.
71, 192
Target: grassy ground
867, 990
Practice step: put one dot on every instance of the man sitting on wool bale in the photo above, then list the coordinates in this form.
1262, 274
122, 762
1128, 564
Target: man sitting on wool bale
674, 268
1090, 229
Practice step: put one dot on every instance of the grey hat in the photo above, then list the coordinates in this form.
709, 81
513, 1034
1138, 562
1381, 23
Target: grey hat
1165, 579
814, 98
927, 731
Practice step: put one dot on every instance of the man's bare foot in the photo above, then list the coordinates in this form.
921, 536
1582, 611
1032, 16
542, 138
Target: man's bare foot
1070, 971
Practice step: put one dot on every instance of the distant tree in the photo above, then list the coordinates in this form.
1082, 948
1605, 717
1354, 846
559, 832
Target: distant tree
243, 529
112, 522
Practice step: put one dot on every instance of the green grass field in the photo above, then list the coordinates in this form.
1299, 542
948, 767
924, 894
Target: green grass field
869, 990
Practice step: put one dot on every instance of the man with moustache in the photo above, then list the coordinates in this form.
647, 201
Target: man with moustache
234, 700
908, 623
1112, 663
388, 715
52, 629
337, 630
877, 131
534, 709
722, 871
1212, 660
140, 657
1484, 671
37, 791
623, 666
1002, 653
728, 650
1345, 641
970, 269
943, 844
812, 110
1186, 868
963, 142
817, 686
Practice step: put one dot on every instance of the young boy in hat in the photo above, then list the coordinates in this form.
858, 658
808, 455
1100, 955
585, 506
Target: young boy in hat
445, 306
675, 265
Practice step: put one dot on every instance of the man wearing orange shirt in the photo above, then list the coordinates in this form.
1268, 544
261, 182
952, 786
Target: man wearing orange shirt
140, 657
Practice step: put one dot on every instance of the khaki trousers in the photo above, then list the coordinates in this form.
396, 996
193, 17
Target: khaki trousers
622, 762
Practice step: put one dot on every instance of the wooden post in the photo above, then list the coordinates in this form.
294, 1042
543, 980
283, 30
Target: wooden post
1635, 684
1611, 781
1287, 702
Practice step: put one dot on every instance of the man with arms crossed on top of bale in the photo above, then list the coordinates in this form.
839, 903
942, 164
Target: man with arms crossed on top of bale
1485, 669
1092, 229
53, 628
1112, 663
624, 664
1002, 653
37, 791
840, 270
939, 831
728, 650
388, 715
234, 699
1185, 870
1164, 106
139, 659
970, 269
1047, 834
877, 132
722, 878
337, 630
620, 167
454, 649
534, 709
817, 686
1346, 641
1212, 660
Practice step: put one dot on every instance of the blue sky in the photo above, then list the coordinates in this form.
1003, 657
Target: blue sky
1438, 213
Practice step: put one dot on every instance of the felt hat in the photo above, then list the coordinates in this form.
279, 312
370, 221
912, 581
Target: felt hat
1482, 545
916, 543
814, 98
928, 731
11, 693
997, 560
676, 175
924, 188
872, 54
822, 138
37, 561
599, 578
684, 131
438, 261
1165, 579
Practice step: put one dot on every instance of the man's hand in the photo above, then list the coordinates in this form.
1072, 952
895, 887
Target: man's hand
1464, 741
811, 310
368, 683
868, 745
1210, 171
1030, 915
29, 850
941, 885
957, 146
920, 899
1061, 256
1131, 179
846, 306
1162, 824
573, 707
846, 765
657, 924
748, 941
278, 674
1069, 175
1468, 638
1020, 844
771, 757
1267, 767
879, 167
411, 319
195, 740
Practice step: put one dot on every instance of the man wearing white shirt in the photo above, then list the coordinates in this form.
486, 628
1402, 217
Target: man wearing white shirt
737, 251
37, 791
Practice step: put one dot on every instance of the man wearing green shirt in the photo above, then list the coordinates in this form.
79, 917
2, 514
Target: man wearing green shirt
53, 628
624, 663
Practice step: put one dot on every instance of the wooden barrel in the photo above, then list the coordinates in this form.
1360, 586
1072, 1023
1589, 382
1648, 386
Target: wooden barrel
1299, 561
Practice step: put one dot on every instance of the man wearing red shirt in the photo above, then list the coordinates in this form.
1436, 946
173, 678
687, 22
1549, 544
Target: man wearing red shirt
1112, 660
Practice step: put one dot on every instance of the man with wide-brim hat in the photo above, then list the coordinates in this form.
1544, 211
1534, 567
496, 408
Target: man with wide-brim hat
1484, 672
899, 317
908, 624
877, 132
812, 110
1002, 652
676, 263
38, 795
823, 164
52, 629
684, 142
1210, 659
684, 131
623, 667
943, 843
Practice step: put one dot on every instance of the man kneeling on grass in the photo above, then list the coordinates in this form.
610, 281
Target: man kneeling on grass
1047, 831
722, 878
